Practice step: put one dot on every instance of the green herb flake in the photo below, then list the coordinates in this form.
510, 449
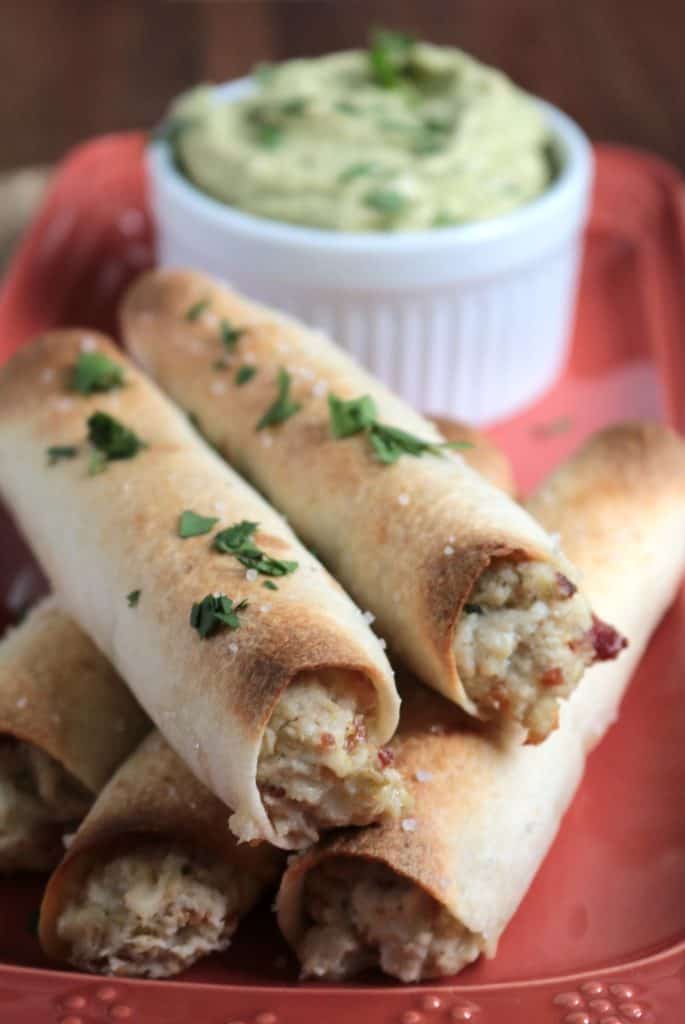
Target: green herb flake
295, 106
283, 408
389, 55
191, 524
110, 440
94, 371
348, 418
214, 611
195, 311
270, 585
244, 374
269, 135
230, 335
97, 463
388, 443
133, 598
237, 540
387, 201
356, 171
57, 452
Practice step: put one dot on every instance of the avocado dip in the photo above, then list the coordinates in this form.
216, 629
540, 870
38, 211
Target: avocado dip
402, 137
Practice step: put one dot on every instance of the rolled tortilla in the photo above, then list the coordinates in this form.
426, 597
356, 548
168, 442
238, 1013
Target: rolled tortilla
466, 587
426, 897
282, 711
66, 722
153, 879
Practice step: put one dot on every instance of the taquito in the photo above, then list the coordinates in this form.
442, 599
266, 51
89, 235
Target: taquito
426, 897
66, 722
249, 657
153, 879
465, 586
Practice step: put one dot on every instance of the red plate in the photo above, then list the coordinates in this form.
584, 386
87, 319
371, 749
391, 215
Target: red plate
600, 937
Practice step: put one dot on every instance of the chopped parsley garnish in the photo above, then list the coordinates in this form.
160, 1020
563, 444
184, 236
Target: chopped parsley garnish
94, 371
284, 407
111, 440
214, 611
270, 585
244, 373
295, 106
195, 311
389, 443
237, 540
356, 171
230, 334
191, 524
386, 201
389, 55
269, 135
57, 452
133, 598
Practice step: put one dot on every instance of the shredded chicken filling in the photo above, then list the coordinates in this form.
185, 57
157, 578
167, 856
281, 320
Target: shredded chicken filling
154, 912
38, 799
317, 766
524, 640
362, 915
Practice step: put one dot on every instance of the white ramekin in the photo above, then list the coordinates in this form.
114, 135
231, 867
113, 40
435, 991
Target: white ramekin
469, 322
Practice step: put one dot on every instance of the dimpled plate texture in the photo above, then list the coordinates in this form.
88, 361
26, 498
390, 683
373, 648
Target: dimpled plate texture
600, 937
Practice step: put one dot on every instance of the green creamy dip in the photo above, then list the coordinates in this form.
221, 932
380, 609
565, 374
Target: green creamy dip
403, 137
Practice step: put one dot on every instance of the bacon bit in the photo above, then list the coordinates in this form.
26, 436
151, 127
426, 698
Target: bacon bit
385, 757
327, 739
606, 641
565, 587
552, 677
356, 734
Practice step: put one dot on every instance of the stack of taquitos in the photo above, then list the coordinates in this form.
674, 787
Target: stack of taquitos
425, 897
153, 879
276, 694
465, 586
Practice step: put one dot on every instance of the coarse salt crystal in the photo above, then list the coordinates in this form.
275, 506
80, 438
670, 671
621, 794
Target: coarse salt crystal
210, 318
264, 608
408, 824
423, 776
22, 702
382, 642
437, 730
320, 389
233, 647
403, 499
196, 745
251, 575
88, 344
219, 507
368, 617
267, 440
218, 387
67, 839
448, 549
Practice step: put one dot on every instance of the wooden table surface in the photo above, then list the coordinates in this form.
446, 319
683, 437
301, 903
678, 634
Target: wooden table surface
72, 68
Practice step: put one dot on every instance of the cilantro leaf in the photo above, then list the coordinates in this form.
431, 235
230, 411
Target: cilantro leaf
94, 371
270, 585
386, 201
348, 418
244, 374
229, 334
133, 598
111, 440
236, 540
283, 408
388, 56
195, 311
191, 524
213, 611
57, 452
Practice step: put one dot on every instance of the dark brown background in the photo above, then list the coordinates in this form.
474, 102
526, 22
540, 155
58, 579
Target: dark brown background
71, 68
